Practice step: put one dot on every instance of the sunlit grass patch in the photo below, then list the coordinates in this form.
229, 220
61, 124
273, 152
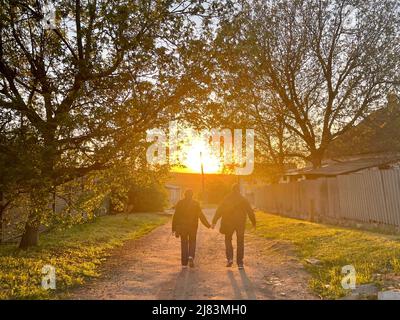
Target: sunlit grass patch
335, 247
76, 253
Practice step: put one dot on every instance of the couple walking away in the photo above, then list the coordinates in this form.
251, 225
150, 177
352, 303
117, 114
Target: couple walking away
233, 212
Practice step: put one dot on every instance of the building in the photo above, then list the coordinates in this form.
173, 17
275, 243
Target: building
174, 193
342, 166
359, 181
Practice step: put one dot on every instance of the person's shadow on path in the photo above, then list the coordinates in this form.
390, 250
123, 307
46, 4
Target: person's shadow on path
245, 290
179, 286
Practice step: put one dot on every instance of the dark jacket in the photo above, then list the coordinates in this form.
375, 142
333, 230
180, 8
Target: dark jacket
187, 215
233, 212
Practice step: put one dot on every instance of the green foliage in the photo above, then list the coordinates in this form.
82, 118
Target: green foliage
75, 100
76, 253
151, 197
303, 72
335, 247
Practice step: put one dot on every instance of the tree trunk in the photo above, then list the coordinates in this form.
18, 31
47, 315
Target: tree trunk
1, 226
2, 209
316, 158
30, 237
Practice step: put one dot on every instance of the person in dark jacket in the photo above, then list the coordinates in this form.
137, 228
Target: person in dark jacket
233, 212
184, 225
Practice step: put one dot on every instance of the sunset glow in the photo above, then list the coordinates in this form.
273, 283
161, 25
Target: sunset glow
198, 152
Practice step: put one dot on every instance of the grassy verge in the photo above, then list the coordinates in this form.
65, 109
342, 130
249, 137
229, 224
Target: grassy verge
76, 254
370, 253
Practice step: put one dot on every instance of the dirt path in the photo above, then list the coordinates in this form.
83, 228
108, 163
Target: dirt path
149, 268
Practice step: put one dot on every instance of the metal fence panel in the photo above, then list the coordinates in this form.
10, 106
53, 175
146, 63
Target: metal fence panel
371, 196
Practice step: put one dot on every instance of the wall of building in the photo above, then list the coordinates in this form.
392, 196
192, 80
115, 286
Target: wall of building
174, 194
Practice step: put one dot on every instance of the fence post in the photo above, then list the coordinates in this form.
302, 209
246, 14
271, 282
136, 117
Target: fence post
312, 210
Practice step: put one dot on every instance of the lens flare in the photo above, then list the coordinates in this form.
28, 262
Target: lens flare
197, 153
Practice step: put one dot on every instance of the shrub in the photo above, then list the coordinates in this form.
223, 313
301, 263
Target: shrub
147, 198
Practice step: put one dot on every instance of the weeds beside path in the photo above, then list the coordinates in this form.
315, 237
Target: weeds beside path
149, 268
372, 254
76, 254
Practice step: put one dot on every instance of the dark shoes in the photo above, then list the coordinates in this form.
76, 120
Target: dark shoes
230, 264
191, 262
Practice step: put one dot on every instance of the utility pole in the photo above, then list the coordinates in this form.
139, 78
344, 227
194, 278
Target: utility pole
202, 176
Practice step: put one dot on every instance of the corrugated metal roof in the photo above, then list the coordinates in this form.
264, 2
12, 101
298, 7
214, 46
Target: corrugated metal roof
343, 167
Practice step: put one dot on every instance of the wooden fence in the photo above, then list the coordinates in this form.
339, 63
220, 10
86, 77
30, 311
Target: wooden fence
369, 196
14, 217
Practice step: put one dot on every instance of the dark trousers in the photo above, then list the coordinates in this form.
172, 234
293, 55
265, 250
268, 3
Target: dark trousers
188, 246
240, 244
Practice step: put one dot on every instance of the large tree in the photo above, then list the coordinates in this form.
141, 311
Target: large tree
307, 70
80, 90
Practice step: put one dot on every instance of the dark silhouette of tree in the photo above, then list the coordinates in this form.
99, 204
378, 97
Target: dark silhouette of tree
77, 94
304, 72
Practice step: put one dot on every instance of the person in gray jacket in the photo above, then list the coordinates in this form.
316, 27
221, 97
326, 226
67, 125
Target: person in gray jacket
233, 212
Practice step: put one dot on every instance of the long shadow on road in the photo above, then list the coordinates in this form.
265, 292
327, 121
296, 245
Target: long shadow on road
149, 268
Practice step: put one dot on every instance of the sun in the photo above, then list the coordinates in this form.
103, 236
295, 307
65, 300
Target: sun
198, 152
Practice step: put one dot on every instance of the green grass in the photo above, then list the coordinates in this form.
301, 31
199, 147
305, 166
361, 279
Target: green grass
335, 247
76, 253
